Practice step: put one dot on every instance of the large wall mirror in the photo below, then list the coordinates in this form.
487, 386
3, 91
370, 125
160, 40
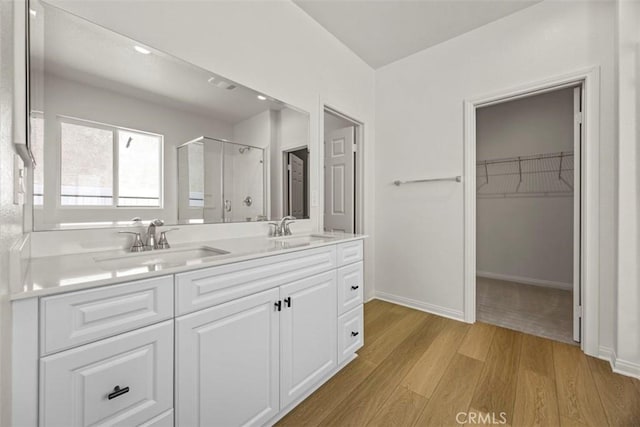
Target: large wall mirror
120, 130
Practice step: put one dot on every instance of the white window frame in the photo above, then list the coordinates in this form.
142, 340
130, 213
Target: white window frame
115, 130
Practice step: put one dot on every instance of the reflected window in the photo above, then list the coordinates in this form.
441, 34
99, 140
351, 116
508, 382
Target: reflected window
36, 139
139, 168
95, 157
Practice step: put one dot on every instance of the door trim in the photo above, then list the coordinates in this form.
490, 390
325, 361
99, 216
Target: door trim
589, 198
359, 167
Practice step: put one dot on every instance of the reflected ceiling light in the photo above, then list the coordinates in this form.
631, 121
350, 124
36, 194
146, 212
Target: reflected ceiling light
262, 98
142, 50
33, 12
211, 79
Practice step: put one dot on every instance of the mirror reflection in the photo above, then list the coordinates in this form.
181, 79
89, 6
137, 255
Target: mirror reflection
134, 132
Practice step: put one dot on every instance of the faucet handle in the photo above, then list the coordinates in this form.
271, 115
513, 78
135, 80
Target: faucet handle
163, 243
157, 222
275, 231
137, 245
287, 230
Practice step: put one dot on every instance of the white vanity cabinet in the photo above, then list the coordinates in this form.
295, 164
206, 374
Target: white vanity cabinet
307, 334
123, 380
227, 363
241, 362
236, 344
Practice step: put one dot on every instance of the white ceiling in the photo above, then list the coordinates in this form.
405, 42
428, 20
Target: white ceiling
383, 31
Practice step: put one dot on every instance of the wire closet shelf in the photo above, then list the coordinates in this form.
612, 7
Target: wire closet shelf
541, 175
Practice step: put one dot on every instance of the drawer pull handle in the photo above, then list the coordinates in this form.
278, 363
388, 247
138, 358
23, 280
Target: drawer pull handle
117, 391
355, 334
278, 305
287, 302
355, 288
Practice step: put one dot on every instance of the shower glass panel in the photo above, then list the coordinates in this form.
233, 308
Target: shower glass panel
244, 183
200, 164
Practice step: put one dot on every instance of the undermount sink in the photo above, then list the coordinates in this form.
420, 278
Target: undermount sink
160, 258
297, 241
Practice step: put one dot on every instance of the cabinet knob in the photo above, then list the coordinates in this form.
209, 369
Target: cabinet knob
117, 391
287, 302
278, 305
355, 288
355, 334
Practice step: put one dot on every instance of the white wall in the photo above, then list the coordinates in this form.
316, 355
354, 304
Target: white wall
273, 47
527, 239
419, 129
626, 355
10, 214
78, 100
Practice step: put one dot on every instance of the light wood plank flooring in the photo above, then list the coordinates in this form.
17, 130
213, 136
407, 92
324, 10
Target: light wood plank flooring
420, 369
536, 310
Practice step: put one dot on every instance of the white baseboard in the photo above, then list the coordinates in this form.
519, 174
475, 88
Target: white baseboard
526, 280
619, 366
420, 305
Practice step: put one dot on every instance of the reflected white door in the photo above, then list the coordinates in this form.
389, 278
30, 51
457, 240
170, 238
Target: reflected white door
296, 186
339, 180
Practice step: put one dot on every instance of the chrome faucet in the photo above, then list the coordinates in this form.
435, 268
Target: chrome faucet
281, 228
151, 241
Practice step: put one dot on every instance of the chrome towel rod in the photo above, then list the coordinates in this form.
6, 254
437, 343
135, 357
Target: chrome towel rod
453, 178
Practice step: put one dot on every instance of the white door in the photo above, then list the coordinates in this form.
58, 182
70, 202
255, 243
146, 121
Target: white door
227, 363
308, 334
296, 186
577, 197
339, 180
124, 380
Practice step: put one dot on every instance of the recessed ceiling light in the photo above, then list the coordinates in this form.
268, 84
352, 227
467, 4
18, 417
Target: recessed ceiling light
262, 98
142, 50
33, 12
211, 79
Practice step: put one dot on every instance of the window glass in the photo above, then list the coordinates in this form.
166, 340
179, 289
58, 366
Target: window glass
139, 173
86, 165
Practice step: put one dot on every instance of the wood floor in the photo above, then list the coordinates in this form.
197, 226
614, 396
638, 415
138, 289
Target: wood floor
420, 369
535, 310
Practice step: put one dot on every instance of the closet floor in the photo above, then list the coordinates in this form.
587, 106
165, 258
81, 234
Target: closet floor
535, 310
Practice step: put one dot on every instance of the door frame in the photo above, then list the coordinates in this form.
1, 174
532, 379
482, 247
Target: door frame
358, 174
589, 197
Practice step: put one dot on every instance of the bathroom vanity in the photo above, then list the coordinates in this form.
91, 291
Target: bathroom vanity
239, 338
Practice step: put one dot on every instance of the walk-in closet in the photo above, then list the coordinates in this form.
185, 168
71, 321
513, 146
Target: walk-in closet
527, 211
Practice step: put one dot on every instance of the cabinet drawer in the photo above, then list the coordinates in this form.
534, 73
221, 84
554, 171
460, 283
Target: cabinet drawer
78, 386
349, 252
76, 318
350, 333
350, 287
208, 287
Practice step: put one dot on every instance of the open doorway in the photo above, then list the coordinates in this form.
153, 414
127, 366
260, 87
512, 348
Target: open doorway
528, 213
296, 184
342, 165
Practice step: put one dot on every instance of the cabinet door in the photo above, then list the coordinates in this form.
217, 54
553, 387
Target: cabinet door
124, 380
227, 366
308, 334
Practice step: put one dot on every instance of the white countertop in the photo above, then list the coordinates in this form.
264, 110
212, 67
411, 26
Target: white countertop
64, 273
